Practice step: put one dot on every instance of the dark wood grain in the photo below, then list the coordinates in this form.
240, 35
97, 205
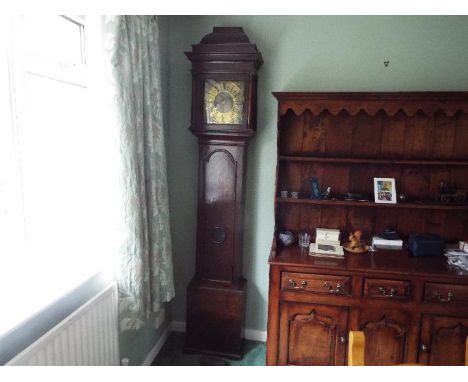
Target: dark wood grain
367, 134
460, 148
291, 127
387, 332
216, 319
339, 130
323, 326
443, 340
394, 262
412, 309
395, 162
410, 103
338, 203
391, 320
443, 138
217, 294
314, 134
393, 136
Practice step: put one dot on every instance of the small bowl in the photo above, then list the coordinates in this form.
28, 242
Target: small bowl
286, 238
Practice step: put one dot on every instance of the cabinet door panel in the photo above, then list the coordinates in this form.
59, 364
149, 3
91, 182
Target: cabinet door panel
313, 334
443, 340
387, 336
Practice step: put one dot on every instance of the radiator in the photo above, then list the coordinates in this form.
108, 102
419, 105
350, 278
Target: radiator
89, 336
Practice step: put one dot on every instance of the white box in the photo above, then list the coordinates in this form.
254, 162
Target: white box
327, 242
326, 235
378, 242
326, 249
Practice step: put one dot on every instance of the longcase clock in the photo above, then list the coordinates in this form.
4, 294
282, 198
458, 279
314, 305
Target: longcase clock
224, 70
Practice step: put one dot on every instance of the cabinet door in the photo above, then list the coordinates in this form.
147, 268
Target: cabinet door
312, 334
443, 340
388, 333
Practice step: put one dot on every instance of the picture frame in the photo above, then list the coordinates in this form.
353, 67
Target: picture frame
385, 190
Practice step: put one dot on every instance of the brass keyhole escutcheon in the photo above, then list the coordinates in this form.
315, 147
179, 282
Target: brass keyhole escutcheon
218, 235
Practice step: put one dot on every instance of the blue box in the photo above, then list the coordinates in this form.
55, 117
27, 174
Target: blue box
425, 244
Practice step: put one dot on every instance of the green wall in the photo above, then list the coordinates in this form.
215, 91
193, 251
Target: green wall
301, 53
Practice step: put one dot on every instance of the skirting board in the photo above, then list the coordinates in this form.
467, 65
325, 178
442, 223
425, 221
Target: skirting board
179, 326
157, 348
255, 335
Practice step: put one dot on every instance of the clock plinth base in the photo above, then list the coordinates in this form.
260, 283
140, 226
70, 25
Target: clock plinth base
215, 319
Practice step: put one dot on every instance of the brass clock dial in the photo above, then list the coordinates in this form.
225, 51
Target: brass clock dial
224, 102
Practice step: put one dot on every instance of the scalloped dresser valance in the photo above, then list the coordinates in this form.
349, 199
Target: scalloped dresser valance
390, 103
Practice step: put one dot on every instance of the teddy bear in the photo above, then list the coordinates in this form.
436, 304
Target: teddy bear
355, 240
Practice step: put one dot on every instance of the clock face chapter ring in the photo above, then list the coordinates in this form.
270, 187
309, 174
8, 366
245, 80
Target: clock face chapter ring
223, 102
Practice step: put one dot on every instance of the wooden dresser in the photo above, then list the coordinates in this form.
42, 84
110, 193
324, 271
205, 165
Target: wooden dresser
410, 309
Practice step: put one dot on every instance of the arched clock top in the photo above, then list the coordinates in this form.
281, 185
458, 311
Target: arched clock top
226, 44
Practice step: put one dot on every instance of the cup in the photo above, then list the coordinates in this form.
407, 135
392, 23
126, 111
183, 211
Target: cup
284, 193
295, 194
463, 245
304, 239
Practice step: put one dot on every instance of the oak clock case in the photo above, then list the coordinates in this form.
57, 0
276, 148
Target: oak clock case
224, 71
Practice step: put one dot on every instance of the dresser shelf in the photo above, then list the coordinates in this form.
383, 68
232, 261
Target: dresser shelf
355, 203
346, 149
399, 262
373, 161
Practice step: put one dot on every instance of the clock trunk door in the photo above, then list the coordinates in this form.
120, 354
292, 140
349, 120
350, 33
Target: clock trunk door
217, 244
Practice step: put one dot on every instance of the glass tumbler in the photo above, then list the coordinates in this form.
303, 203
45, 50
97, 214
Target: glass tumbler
304, 239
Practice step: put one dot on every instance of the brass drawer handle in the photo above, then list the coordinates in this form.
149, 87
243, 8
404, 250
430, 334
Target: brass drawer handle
438, 296
386, 292
292, 284
338, 289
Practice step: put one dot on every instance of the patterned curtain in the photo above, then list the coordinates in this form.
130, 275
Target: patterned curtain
145, 273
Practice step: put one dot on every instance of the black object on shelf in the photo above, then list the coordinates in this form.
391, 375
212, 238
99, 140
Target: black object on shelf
425, 244
389, 234
357, 196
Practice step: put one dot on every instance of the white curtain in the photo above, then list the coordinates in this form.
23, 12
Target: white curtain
129, 83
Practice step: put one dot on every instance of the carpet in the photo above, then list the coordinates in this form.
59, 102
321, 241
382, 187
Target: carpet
172, 354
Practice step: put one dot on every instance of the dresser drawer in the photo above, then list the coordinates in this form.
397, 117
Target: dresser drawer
446, 293
388, 289
312, 283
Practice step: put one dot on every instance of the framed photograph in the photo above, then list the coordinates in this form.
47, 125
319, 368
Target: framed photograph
384, 190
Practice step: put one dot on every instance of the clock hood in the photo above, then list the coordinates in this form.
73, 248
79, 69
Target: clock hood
226, 44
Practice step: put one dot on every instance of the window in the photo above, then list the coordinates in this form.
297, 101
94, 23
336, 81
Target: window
56, 178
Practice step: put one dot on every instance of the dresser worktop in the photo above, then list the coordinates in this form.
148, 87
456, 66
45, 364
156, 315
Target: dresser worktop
399, 262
